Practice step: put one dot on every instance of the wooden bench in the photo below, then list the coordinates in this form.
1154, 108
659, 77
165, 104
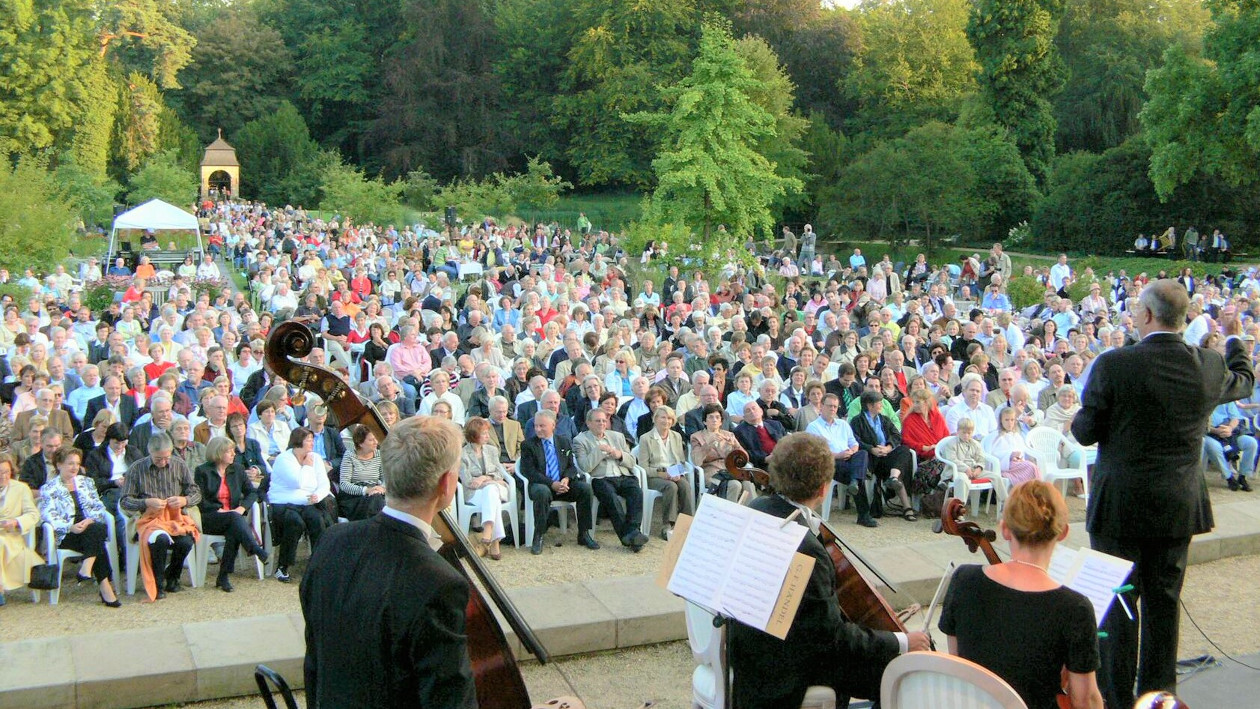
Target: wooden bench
168, 260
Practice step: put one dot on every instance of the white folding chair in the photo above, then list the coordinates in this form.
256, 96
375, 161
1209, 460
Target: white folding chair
59, 556
203, 546
933, 679
1046, 444
464, 512
968, 490
562, 507
709, 679
30, 544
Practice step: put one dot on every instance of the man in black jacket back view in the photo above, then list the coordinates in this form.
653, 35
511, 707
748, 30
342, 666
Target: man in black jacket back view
1147, 407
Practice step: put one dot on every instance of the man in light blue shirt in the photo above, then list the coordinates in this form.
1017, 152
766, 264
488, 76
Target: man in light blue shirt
995, 301
851, 461
1227, 441
857, 260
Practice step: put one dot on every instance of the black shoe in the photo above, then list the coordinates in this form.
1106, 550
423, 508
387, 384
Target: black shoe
588, 541
172, 586
1233, 483
536, 547
83, 579
867, 521
282, 575
640, 539
1243, 484
224, 584
112, 604
261, 555
160, 594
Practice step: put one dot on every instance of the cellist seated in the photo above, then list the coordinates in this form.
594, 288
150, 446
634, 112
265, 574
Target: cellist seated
1017, 621
822, 648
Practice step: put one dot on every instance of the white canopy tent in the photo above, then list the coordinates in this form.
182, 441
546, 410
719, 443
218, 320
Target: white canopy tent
158, 216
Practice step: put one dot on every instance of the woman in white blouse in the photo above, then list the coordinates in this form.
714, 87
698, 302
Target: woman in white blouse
299, 495
486, 484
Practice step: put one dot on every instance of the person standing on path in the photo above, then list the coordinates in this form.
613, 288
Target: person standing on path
1147, 408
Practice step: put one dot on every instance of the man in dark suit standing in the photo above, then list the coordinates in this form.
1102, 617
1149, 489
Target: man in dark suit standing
384, 613
822, 647
758, 435
1147, 407
548, 467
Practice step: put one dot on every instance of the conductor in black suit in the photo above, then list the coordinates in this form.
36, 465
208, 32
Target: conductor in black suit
1147, 407
384, 612
547, 465
822, 648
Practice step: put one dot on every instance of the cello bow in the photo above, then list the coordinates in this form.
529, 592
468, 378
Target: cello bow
495, 672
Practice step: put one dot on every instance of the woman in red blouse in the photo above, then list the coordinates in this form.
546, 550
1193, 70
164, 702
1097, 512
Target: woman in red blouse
924, 425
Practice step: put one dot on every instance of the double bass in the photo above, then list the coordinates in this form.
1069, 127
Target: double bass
860, 602
495, 672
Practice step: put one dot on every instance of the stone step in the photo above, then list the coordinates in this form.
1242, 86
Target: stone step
211, 660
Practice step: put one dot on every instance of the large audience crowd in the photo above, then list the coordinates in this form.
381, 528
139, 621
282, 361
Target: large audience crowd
579, 373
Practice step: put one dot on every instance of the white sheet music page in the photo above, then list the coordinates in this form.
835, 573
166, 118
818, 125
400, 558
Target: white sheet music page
1091, 573
735, 560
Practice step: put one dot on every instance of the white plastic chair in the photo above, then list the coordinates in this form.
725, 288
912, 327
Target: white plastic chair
59, 556
203, 546
464, 512
709, 679
563, 508
932, 679
692, 475
30, 544
968, 490
133, 560
1045, 443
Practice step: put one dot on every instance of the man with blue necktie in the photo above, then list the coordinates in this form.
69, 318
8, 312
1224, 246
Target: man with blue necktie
547, 465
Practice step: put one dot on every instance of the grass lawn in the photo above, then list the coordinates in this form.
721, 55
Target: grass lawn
610, 211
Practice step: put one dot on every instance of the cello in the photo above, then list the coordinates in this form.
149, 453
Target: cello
979, 539
860, 602
496, 675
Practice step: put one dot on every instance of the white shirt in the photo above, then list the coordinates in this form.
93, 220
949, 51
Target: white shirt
1058, 274
982, 416
456, 404
292, 483
1196, 330
838, 434
425, 528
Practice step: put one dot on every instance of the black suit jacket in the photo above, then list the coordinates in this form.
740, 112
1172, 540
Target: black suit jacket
384, 620
533, 463
1147, 407
241, 492
127, 408
101, 469
35, 472
746, 433
822, 648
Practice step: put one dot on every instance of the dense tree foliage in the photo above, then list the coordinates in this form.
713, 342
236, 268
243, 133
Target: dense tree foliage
36, 219
709, 172
899, 118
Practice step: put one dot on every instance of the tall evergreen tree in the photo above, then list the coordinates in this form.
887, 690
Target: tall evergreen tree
708, 170
1020, 71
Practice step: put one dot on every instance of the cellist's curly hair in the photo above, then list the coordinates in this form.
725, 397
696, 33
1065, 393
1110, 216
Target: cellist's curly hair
800, 465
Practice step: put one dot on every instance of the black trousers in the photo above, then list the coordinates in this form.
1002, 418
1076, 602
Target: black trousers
542, 495
91, 544
177, 548
237, 533
356, 507
290, 522
852, 469
1158, 572
622, 487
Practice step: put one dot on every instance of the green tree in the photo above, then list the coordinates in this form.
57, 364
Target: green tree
922, 183
164, 177
1020, 71
1203, 115
46, 49
276, 152
144, 35
91, 195
36, 221
708, 170
819, 56
138, 126
419, 190
1108, 46
774, 91
1003, 182
621, 53
915, 64
240, 71
348, 192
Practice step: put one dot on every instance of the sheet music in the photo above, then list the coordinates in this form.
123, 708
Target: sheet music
1091, 573
1061, 563
936, 598
735, 560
